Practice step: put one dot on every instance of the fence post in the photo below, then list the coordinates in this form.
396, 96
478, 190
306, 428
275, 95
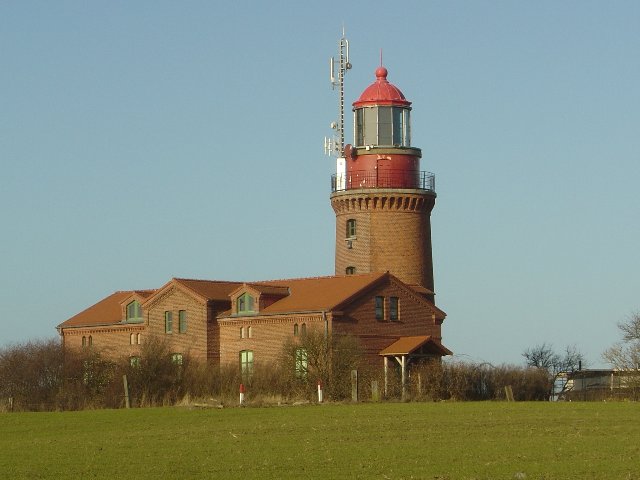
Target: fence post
375, 395
354, 385
126, 391
508, 391
319, 391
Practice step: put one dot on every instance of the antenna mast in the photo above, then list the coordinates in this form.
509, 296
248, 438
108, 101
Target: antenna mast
336, 144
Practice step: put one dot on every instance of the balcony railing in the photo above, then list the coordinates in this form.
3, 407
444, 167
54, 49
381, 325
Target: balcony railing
383, 179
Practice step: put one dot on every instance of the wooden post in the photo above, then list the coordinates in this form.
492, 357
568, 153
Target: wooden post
386, 380
375, 394
354, 385
403, 363
11, 404
508, 391
419, 385
126, 391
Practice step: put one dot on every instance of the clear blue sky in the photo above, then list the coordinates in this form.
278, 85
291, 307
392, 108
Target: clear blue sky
150, 139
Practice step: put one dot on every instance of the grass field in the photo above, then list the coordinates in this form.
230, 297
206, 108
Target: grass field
397, 441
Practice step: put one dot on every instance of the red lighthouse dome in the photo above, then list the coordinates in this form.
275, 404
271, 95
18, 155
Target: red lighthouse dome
381, 92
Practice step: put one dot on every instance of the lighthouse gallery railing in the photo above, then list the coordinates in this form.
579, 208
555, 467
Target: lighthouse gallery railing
383, 179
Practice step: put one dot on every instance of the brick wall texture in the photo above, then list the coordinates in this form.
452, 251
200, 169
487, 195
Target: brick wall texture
393, 233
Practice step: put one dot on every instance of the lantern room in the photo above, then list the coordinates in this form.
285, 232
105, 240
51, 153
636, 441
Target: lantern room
381, 115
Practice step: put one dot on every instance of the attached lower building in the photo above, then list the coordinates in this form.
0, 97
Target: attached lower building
241, 323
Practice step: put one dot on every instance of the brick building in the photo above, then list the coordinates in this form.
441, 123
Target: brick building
382, 292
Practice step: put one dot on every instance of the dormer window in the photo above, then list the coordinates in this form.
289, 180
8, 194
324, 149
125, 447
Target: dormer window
244, 304
134, 312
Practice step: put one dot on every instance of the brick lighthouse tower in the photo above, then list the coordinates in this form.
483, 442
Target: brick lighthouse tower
381, 198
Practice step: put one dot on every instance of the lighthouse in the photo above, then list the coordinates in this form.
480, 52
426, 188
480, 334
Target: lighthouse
381, 197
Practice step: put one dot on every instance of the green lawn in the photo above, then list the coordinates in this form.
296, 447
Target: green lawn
380, 441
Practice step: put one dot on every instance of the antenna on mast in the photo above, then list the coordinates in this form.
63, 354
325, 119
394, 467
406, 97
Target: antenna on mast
336, 144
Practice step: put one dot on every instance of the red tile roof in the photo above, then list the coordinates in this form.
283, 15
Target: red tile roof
318, 293
209, 289
406, 345
106, 312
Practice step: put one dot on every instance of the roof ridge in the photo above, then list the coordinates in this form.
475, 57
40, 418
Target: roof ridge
204, 280
319, 277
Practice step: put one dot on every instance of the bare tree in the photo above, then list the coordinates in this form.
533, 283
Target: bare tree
544, 357
541, 356
625, 354
316, 357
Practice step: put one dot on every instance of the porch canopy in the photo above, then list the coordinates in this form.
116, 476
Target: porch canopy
406, 349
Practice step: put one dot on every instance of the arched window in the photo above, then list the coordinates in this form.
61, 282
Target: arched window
84, 341
90, 340
249, 332
241, 332
295, 329
132, 339
139, 338
350, 270
303, 329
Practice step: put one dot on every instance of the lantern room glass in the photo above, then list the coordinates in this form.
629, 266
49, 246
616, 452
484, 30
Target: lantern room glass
382, 126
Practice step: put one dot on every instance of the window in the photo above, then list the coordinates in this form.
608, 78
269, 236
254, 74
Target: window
176, 358
244, 304
302, 363
134, 312
246, 363
168, 322
134, 361
350, 270
90, 340
84, 341
295, 329
303, 329
382, 125
139, 338
393, 308
249, 332
182, 321
379, 308
132, 339
241, 332
351, 228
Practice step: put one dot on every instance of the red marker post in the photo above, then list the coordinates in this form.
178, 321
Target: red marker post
319, 391
241, 394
